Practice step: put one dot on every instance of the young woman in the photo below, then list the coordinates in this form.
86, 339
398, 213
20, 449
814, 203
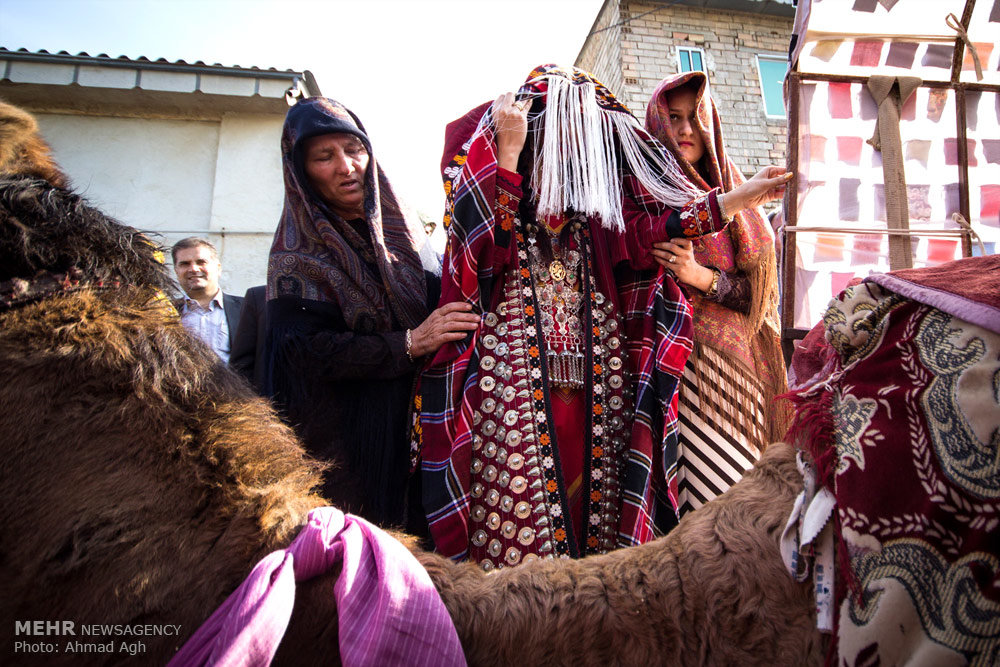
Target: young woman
727, 409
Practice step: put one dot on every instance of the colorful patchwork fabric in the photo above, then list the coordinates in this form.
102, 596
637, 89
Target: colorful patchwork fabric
840, 175
903, 430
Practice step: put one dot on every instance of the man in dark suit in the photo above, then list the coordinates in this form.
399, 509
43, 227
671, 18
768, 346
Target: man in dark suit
248, 344
204, 309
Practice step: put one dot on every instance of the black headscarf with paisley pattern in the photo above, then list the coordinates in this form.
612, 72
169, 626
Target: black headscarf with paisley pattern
319, 256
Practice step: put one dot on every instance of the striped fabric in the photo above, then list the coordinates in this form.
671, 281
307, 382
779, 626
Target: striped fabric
716, 445
387, 607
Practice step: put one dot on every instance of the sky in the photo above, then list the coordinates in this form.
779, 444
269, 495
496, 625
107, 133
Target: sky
405, 67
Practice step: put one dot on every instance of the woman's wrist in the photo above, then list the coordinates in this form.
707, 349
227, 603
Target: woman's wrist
507, 158
698, 277
707, 277
726, 205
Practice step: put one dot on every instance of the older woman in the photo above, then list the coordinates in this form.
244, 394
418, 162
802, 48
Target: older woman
727, 409
348, 313
543, 436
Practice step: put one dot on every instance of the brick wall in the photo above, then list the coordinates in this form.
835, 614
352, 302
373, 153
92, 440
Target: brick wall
603, 48
646, 53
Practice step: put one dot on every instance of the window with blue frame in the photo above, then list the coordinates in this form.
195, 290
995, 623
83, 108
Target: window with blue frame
771, 70
690, 59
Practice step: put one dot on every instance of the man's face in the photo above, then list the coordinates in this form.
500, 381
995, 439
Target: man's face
198, 271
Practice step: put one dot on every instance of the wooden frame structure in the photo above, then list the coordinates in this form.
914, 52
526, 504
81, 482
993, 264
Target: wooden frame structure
794, 82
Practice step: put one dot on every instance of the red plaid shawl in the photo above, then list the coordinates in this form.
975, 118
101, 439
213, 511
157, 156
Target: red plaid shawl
657, 321
902, 420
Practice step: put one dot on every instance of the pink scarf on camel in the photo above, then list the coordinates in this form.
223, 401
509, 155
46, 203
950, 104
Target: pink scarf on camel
388, 609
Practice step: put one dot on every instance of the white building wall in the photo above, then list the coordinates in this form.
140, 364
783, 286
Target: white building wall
134, 168
217, 179
248, 196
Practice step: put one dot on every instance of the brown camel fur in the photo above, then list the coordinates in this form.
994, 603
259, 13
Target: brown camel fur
22, 149
713, 591
142, 480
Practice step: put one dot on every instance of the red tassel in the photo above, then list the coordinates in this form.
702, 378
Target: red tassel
812, 430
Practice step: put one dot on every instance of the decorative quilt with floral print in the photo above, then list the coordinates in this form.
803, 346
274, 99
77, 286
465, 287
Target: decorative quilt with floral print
901, 427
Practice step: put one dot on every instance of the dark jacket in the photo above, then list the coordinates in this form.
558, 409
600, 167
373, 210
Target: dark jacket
246, 353
233, 305
347, 394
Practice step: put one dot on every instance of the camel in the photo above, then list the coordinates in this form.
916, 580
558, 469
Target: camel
142, 481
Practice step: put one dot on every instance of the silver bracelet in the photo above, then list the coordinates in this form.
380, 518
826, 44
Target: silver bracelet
722, 208
409, 345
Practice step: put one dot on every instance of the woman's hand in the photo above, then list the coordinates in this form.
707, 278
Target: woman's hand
448, 323
767, 185
677, 256
511, 118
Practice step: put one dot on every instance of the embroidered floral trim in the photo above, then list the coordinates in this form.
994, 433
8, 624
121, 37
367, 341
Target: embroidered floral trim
701, 216
506, 205
608, 427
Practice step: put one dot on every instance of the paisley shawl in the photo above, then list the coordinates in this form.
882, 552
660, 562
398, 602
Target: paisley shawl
900, 418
